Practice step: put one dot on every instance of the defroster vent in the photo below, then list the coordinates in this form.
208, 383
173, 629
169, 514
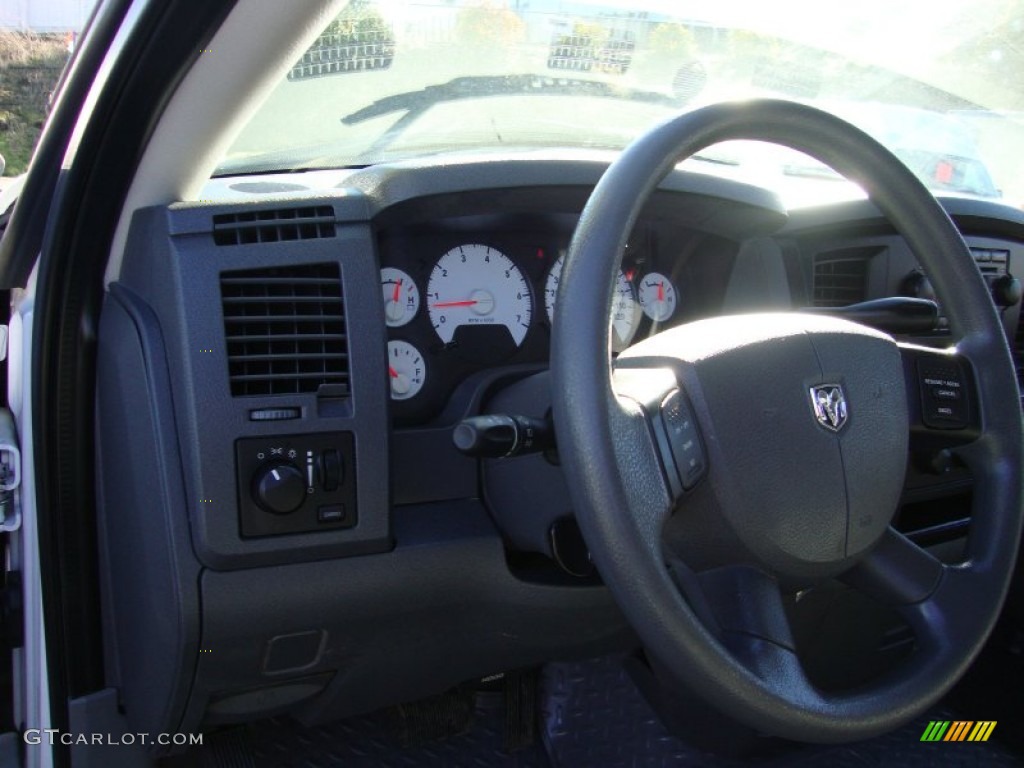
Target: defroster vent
841, 277
243, 228
285, 329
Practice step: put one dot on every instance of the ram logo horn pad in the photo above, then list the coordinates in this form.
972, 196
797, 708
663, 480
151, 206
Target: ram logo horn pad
829, 405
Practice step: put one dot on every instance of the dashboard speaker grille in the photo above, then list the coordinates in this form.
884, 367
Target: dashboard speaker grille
840, 278
285, 331
274, 226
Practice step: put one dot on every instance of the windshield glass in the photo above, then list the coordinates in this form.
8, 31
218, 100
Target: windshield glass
392, 79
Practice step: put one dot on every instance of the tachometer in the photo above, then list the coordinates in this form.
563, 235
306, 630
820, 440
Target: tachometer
624, 311
657, 296
475, 285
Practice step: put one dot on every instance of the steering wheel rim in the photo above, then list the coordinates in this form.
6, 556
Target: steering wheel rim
617, 477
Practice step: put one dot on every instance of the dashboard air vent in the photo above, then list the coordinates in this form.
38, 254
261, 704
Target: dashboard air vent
840, 277
248, 227
285, 330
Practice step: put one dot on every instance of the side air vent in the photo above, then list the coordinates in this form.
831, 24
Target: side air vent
841, 277
274, 226
285, 330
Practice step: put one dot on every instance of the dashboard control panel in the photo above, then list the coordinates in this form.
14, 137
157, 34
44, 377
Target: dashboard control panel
296, 484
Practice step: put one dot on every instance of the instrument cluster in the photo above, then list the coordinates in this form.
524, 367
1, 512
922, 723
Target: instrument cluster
466, 295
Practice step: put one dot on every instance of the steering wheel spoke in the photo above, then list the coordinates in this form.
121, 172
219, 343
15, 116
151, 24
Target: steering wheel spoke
649, 493
897, 572
674, 434
744, 608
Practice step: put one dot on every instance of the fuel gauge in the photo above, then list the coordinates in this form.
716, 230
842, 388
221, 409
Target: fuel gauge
407, 370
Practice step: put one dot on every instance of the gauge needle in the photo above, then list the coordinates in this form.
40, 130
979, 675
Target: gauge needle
398, 288
661, 291
466, 303
393, 373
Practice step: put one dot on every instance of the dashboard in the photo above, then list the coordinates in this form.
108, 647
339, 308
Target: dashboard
283, 365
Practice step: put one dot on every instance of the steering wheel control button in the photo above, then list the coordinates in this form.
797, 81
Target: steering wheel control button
295, 483
943, 401
683, 439
280, 489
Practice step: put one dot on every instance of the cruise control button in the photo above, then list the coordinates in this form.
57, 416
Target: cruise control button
683, 439
943, 400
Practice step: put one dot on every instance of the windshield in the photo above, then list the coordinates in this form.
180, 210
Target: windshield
389, 79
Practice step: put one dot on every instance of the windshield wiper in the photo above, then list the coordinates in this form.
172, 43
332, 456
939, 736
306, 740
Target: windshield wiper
416, 103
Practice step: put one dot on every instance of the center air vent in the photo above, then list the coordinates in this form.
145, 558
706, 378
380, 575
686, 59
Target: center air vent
285, 224
285, 329
841, 277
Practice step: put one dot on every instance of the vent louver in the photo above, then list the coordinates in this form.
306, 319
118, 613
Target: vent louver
840, 278
286, 224
285, 331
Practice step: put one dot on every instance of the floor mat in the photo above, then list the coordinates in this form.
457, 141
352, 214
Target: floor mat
595, 717
371, 742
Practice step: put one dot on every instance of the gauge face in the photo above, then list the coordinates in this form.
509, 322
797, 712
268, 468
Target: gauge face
624, 313
477, 285
401, 297
624, 310
407, 370
551, 286
657, 297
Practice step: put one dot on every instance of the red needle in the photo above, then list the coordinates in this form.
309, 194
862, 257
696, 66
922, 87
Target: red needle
393, 372
661, 291
398, 287
467, 303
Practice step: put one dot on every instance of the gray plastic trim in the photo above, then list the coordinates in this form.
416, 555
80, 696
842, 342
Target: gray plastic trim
178, 276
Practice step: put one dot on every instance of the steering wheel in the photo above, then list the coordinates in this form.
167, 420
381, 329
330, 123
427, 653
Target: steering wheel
720, 464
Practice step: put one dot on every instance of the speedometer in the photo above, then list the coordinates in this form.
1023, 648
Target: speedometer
476, 285
624, 309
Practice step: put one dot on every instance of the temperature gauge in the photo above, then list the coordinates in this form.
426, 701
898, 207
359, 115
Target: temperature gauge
657, 296
407, 370
401, 297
